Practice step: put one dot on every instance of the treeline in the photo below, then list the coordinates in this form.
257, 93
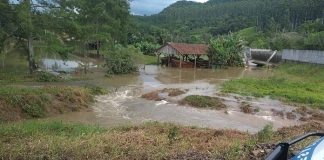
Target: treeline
186, 21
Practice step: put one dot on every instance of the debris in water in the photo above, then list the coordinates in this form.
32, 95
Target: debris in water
248, 109
278, 113
173, 92
161, 103
155, 95
152, 96
291, 115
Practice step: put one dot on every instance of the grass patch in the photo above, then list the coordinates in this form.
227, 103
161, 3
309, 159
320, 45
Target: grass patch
297, 83
145, 59
204, 102
153, 140
18, 103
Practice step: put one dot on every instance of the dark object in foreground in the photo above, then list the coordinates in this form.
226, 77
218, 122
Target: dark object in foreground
281, 151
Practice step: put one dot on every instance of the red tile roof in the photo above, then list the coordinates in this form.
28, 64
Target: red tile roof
190, 49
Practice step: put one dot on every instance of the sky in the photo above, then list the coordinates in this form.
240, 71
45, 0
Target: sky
148, 7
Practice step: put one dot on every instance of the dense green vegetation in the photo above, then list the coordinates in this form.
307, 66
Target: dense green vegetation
57, 140
120, 61
226, 51
299, 83
275, 24
55, 28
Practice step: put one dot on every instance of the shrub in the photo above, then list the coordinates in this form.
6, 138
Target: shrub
120, 61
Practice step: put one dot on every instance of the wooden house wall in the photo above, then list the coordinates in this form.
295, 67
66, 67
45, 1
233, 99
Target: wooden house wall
168, 50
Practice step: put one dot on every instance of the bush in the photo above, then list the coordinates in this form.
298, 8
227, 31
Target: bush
120, 61
226, 51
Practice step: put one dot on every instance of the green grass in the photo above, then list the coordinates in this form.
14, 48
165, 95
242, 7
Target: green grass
145, 59
30, 128
44, 139
204, 102
297, 83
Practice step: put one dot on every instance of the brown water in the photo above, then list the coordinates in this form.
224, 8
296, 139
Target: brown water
124, 105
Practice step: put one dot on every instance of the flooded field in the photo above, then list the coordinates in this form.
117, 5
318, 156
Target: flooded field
125, 105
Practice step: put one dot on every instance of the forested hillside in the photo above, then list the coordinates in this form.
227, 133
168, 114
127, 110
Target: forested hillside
266, 23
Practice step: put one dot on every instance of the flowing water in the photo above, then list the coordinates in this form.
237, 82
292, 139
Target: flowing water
124, 105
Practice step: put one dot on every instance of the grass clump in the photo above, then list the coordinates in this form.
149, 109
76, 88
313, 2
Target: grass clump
204, 102
291, 82
47, 77
96, 90
265, 134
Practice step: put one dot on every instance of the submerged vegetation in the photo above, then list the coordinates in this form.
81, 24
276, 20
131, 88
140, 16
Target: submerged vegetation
155, 95
298, 83
57, 140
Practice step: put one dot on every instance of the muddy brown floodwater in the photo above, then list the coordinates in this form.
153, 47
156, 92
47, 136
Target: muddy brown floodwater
124, 105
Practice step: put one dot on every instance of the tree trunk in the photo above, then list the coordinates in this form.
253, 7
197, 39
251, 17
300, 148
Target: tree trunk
4, 57
98, 51
31, 58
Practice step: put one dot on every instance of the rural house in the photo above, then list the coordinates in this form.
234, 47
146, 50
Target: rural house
184, 55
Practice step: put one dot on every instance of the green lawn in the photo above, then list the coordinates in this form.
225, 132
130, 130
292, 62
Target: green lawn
298, 83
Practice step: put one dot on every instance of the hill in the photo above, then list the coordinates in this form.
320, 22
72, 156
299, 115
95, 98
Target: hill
186, 21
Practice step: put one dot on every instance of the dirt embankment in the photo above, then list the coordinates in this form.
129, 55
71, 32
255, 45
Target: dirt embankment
18, 103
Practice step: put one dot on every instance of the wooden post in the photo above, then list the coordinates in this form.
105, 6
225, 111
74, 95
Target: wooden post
180, 61
195, 61
158, 58
169, 60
